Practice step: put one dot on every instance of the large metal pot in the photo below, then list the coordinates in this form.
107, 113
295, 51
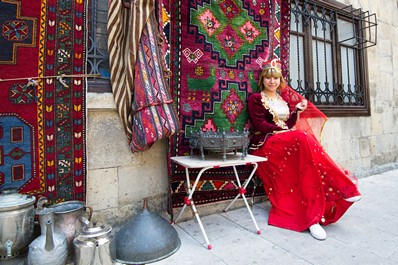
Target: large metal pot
67, 221
16, 222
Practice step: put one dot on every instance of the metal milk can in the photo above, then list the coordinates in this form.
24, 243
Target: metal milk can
94, 245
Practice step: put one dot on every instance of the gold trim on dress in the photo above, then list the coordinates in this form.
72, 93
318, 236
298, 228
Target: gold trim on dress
279, 121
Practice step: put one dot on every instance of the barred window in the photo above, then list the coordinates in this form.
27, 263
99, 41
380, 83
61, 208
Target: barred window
97, 50
328, 56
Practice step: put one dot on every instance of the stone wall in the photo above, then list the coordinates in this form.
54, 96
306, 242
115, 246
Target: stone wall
118, 180
368, 145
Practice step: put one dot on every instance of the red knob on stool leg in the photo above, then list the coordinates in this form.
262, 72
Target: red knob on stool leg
209, 247
187, 201
242, 190
259, 232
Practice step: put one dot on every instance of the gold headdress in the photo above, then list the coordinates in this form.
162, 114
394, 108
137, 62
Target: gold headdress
274, 63
271, 68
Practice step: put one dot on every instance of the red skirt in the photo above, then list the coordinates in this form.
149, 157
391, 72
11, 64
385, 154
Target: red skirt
304, 185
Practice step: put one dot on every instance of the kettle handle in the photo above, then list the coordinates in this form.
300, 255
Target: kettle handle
90, 214
40, 203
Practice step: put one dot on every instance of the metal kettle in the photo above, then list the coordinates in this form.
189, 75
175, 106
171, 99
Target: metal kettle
50, 248
94, 244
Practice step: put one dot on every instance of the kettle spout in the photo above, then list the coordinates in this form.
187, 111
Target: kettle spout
84, 221
49, 246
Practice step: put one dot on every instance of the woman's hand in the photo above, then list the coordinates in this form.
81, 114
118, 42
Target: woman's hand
302, 106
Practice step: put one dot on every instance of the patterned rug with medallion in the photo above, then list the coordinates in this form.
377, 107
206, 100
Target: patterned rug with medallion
42, 91
216, 52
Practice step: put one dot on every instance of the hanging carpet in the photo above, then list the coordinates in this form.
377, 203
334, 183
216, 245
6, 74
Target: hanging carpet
42, 119
216, 52
138, 73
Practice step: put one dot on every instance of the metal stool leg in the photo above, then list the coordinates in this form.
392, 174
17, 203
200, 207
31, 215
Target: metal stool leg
189, 202
242, 191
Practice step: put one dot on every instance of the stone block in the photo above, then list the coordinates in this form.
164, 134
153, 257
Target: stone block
352, 127
102, 188
100, 101
387, 120
365, 128
117, 216
384, 90
364, 148
376, 125
332, 130
146, 177
107, 144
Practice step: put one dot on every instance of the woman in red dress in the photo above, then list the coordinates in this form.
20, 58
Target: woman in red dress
305, 186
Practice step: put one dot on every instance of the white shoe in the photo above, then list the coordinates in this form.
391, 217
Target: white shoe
318, 232
354, 199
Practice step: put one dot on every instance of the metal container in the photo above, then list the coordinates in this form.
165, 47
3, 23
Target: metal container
50, 248
67, 221
16, 222
219, 142
94, 245
146, 238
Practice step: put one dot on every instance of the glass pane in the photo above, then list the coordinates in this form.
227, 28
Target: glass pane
102, 31
323, 72
296, 21
322, 31
296, 61
98, 49
316, 28
348, 73
346, 33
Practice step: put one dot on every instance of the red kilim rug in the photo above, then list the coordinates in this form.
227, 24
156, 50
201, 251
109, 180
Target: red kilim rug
216, 50
42, 91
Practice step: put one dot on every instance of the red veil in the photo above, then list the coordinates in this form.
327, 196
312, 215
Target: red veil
311, 120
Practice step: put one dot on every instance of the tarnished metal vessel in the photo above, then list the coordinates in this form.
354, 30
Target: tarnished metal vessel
145, 239
67, 221
50, 248
219, 142
16, 222
94, 245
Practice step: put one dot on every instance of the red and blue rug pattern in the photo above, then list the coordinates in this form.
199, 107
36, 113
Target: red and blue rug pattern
216, 52
42, 110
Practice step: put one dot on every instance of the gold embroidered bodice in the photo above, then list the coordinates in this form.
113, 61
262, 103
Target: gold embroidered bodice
278, 108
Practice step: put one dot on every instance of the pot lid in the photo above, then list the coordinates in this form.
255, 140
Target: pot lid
146, 238
10, 199
95, 231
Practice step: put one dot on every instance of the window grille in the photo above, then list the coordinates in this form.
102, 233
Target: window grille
366, 34
97, 55
327, 55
